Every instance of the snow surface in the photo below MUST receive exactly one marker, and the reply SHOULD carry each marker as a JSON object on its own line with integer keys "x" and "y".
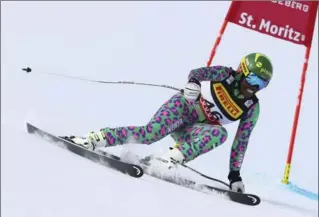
{"x": 155, "y": 42}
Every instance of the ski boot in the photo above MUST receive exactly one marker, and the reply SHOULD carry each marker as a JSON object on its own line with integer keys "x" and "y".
{"x": 91, "y": 142}
{"x": 169, "y": 160}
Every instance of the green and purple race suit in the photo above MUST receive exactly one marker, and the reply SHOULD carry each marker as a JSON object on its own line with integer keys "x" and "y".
{"x": 198, "y": 127}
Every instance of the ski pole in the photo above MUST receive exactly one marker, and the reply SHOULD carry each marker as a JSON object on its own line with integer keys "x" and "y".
{"x": 201, "y": 174}
{"x": 205, "y": 176}
{"x": 28, "y": 70}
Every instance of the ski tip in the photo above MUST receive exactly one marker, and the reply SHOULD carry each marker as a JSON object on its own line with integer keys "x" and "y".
{"x": 30, "y": 128}
{"x": 136, "y": 171}
{"x": 247, "y": 199}
{"x": 255, "y": 200}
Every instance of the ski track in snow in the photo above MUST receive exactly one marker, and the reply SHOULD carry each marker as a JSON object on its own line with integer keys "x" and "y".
{"x": 45, "y": 180}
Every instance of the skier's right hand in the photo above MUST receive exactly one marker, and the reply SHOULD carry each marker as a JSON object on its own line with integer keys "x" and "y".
{"x": 236, "y": 183}
{"x": 192, "y": 90}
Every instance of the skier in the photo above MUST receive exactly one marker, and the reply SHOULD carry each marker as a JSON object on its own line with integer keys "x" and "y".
{"x": 195, "y": 117}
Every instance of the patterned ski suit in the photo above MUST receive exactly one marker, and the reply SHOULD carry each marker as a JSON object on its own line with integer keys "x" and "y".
{"x": 197, "y": 127}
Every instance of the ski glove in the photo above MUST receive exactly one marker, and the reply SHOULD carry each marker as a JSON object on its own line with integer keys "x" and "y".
{"x": 236, "y": 183}
{"x": 192, "y": 90}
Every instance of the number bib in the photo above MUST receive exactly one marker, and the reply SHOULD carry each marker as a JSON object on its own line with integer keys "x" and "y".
{"x": 210, "y": 108}
{"x": 218, "y": 103}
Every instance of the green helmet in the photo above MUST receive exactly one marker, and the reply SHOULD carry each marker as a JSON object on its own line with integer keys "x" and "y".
{"x": 257, "y": 63}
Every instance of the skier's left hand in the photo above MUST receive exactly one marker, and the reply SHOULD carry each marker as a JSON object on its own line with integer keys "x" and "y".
{"x": 192, "y": 89}
{"x": 236, "y": 182}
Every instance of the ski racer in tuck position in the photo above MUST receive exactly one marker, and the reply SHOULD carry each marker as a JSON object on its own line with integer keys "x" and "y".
{"x": 195, "y": 117}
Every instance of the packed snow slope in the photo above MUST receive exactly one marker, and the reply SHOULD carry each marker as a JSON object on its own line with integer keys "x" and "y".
{"x": 155, "y": 42}
{"x": 40, "y": 179}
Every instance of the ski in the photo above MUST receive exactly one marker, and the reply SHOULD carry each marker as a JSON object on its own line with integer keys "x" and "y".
{"x": 108, "y": 160}
{"x": 242, "y": 198}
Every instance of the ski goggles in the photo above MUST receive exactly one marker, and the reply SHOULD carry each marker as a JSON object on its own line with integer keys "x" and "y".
{"x": 254, "y": 80}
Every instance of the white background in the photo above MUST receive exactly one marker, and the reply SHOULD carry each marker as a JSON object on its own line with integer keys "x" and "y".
{"x": 155, "y": 42}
